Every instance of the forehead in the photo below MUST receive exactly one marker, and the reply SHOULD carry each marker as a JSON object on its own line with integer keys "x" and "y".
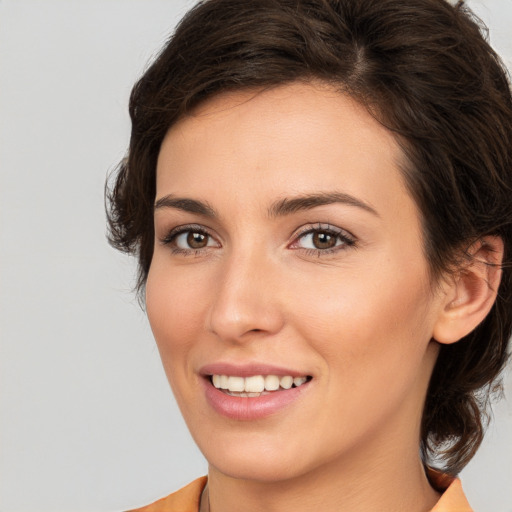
{"x": 287, "y": 139}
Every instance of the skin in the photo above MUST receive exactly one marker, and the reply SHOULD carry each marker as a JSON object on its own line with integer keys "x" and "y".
{"x": 358, "y": 319}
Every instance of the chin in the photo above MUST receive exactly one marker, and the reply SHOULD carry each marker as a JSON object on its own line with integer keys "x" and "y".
{"x": 265, "y": 470}
{"x": 251, "y": 461}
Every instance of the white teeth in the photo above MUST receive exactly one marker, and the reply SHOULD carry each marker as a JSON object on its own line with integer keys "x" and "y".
{"x": 286, "y": 382}
{"x": 298, "y": 381}
{"x": 236, "y": 384}
{"x": 256, "y": 384}
{"x": 223, "y": 382}
{"x": 271, "y": 383}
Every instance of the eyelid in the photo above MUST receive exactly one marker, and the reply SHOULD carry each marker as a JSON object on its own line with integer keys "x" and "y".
{"x": 318, "y": 226}
{"x": 348, "y": 238}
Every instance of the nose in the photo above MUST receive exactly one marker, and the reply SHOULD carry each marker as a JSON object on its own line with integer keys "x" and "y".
{"x": 246, "y": 302}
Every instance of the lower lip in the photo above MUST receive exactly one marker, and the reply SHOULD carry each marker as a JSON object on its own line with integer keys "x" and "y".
{"x": 251, "y": 408}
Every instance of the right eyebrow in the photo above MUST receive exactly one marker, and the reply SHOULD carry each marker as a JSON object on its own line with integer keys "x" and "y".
{"x": 186, "y": 205}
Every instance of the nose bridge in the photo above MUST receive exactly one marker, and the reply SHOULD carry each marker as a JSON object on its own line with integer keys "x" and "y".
{"x": 246, "y": 299}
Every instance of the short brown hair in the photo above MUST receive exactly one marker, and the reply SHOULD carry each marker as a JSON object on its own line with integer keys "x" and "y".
{"x": 424, "y": 69}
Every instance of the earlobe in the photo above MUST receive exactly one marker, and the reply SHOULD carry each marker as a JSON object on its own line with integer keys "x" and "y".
{"x": 470, "y": 293}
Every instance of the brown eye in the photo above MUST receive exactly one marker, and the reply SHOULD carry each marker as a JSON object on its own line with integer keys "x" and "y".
{"x": 323, "y": 240}
{"x": 191, "y": 240}
{"x": 197, "y": 240}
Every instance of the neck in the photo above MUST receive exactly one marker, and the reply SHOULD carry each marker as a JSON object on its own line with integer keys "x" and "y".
{"x": 375, "y": 483}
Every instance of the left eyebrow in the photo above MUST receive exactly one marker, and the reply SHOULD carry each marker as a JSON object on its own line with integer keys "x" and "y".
{"x": 288, "y": 206}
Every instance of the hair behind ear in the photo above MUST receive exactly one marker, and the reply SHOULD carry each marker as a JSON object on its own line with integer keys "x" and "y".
{"x": 467, "y": 371}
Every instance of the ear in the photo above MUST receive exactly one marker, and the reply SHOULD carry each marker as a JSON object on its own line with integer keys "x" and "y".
{"x": 471, "y": 291}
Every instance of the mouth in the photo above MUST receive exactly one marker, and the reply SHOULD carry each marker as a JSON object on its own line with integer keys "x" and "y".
{"x": 253, "y": 390}
{"x": 255, "y": 386}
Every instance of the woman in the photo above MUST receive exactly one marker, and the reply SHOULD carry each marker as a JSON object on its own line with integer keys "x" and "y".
{"x": 318, "y": 194}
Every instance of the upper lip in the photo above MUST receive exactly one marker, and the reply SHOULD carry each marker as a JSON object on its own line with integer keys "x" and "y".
{"x": 248, "y": 369}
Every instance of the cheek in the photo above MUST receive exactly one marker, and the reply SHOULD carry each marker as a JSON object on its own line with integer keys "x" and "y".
{"x": 175, "y": 305}
{"x": 373, "y": 346}
{"x": 373, "y": 324}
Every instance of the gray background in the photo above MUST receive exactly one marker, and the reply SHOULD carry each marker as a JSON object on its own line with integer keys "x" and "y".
{"x": 87, "y": 420}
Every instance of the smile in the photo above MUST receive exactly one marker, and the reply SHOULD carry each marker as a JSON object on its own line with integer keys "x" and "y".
{"x": 255, "y": 385}
{"x": 254, "y": 391}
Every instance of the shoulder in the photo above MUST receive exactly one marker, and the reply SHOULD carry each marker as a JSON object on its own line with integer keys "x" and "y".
{"x": 185, "y": 500}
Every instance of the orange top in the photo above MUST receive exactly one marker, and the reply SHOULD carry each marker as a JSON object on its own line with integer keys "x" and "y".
{"x": 184, "y": 500}
{"x": 187, "y": 499}
{"x": 452, "y": 499}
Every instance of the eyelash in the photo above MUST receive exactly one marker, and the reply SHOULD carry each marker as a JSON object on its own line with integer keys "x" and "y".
{"x": 347, "y": 240}
{"x": 170, "y": 239}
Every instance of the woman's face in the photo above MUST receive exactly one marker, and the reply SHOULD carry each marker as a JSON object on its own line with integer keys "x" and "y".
{"x": 288, "y": 246}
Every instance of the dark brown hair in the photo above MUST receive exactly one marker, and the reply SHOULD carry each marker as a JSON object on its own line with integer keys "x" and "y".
{"x": 424, "y": 69}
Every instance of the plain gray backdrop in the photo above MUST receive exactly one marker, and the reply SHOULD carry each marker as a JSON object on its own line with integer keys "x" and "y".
{"x": 88, "y": 422}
